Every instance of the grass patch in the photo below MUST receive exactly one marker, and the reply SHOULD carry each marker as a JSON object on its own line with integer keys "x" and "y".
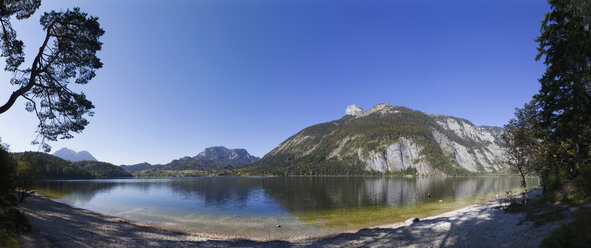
{"x": 574, "y": 234}
{"x": 49, "y": 193}
{"x": 372, "y": 216}
{"x": 544, "y": 209}
{"x": 8, "y": 239}
{"x": 11, "y": 222}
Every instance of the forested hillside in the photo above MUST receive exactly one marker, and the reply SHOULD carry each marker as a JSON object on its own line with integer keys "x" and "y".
{"x": 46, "y": 166}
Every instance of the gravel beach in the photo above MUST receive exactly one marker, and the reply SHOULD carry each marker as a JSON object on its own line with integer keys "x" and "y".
{"x": 484, "y": 225}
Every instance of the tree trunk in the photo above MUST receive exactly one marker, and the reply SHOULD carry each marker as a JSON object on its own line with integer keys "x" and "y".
{"x": 524, "y": 185}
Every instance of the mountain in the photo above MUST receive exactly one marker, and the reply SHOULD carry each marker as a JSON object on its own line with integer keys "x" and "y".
{"x": 219, "y": 156}
{"x": 73, "y": 156}
{"x": 387, "y": 139}
{"x": 47, "y": 166}
{"x": 210, "y": 160}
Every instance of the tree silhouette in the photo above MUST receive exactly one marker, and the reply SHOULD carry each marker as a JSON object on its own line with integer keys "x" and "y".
{"x": 67, "y": 55}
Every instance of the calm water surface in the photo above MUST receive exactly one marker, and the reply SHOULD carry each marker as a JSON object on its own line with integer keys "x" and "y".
{"x": 249, "y": 206}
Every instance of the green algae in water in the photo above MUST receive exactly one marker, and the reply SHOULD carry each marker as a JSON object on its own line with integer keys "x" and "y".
{"x": 360, "y": 217}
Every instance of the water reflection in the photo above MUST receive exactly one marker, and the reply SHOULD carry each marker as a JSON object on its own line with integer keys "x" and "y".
{"x": 285, "y": 193}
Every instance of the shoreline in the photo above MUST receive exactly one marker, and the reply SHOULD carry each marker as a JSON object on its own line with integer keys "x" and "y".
{"x": 483, "y": 225}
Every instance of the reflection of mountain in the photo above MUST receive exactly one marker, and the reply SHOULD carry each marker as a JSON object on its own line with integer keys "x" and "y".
{"x": 298, "y": 193}
{"x": 216, "y": 190}
{"x": 306, "y": 193}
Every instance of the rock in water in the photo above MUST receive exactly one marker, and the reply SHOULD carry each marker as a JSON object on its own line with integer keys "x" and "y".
{"x": 412, "y": 220}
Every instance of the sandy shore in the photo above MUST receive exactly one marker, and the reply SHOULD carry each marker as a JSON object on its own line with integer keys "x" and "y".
{"x": 485, "y": 225}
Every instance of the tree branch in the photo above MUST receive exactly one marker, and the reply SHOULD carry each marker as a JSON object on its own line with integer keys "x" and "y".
{"x": 34, "y": 74}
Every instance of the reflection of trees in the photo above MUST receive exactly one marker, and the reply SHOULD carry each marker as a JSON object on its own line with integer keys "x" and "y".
{"x": 299, "y": 193}
{"x": 304, "y": 193}
{"x": 82, "y": 191}
{"x": 216, "y": 190}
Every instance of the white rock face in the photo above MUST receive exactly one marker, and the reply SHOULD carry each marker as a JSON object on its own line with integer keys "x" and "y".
{"x": 354, "y": 110}
{"x": 396, "y": 157}
{"x": 382, "y": 108}
{"x": 489, "y": 155}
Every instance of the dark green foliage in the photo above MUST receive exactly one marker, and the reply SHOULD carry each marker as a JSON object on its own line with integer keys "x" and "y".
{"x": 565, "y": 95}
{"x": 574, "y": 234}
{"x": 583, "y": 181}
{"x": 67, "y": 55}
{"x": 555, "y": 178}
{"x": 47, "y": 166}
{"x": 410, "y": 171}
{"x": 554, "y": 129}
{"x": 11, "y": 220}
{"x": 51, "y": 167}
{"x": 14, "y": 220}
{"x": 526, "y": 144}
{"x": 156, "y": 172}
{"x": 136, "y": 167}
{"x": 7, "y": 172}
{"x": 372, "y": 132}
{"x": 102, "y": 169}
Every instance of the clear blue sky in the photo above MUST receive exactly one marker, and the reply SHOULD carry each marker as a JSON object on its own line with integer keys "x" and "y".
{"x": 180, "y": 76}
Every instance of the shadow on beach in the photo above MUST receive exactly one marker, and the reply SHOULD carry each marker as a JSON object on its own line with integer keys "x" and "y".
{"x": 60, "y": 225}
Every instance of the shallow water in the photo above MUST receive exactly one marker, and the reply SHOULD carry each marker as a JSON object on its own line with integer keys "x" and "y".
{"x": 253, "y": 206}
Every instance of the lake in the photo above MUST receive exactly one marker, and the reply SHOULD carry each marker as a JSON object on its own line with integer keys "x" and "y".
{"x": 252, "y": 207}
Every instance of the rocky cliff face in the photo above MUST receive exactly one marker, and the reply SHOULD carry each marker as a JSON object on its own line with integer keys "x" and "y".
{"x": 391, "y": 139}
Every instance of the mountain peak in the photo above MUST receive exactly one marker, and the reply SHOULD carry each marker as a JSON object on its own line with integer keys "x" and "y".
{"x": 73, "y": 156}
{"x": 220, "y": 153}
{"x": 382, "y": 108}
{"x": 353, "y": 110}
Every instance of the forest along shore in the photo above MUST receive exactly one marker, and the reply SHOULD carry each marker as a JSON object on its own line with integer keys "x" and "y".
{"x": 484, "y": 225}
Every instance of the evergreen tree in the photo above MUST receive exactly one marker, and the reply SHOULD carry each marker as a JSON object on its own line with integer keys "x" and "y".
{"x": 565, "y": 95}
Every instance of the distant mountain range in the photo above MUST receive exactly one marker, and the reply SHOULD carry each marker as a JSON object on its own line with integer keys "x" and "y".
{"x": 211, "y": 160}
{"x": 73, "y": 156}
{"x": 386, "y": 139}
